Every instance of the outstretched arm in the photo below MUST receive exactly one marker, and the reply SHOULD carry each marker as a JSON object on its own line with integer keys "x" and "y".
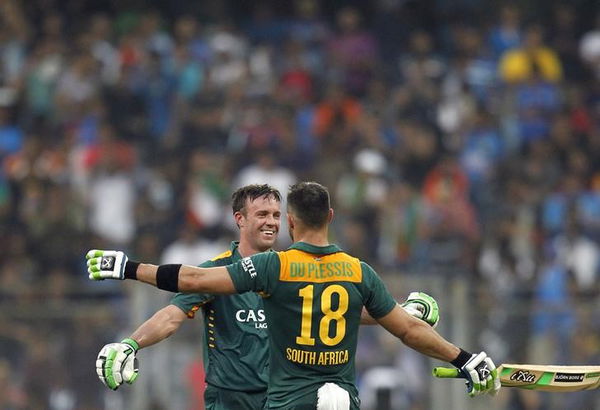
{"x": 478, "y": 369}
{"x": 175, "y": 278}
{"x": 190, "y": 279}
{"x": 418, "y": 335}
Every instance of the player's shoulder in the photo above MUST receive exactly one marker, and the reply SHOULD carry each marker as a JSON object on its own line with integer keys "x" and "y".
{"x": 224, "y": 255}
{"x": 366, "y": 268}
{"x": 222, "y": 259}
{"x": 349, "y": 257}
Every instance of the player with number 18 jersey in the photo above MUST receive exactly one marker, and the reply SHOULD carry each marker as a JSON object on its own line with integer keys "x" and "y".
{"x": 313, "y": 316}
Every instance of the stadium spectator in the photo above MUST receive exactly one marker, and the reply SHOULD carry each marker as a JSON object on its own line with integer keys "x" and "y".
{"x": 403, "y": 225}
{"x": 353, "y": 51}
{"x": 589, "y": 49}
{"x": 506, "y": 33}
{"x": 205, "y": 191}
{"x": 188, "y": 248}
{"x": 532, "y": 57}
{"x": 421, "y": 59}
{"x": 563, "y": 37}
{"x": 337, "y": 111}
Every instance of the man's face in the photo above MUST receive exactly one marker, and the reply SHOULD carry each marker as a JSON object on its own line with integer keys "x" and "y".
{"x": 259, "y": 222}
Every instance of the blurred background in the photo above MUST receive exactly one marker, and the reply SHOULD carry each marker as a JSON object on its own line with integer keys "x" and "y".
{"x": 460, "y": 140}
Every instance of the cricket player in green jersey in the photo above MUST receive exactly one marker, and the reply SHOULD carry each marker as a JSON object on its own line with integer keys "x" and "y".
{"x": 313, "y": 294}
{"x": 235, "y": 345}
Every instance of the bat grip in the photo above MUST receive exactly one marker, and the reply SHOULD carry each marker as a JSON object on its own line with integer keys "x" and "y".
{"x": 447, "y": 373}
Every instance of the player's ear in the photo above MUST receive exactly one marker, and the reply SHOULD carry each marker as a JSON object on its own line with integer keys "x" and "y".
{"x": 330, "y": 216}
{"x": 239, "y": 219}
{"x": 290, "y": 220}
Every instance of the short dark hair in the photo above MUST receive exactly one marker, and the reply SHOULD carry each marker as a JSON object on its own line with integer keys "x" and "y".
{"x": 251, "y": 192}
{"x": 309, "y": 201}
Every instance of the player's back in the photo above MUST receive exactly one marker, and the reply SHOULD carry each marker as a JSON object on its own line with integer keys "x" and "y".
{"x": 313, "y": 313}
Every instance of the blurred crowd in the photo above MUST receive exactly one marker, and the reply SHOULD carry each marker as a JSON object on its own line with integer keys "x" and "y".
{"x": 457, "y": 142}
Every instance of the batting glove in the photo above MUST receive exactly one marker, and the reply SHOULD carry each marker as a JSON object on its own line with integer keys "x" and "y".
{"x": 116, "y": 363}
{"x": 422, "y": 306}
{"x": 106, "y": 264}
{"x": 481, "y": 374}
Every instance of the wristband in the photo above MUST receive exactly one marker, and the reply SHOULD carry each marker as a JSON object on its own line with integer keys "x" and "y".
{"x": 167, "y": 277}
{"x": 462, "y": 359}
{"x": 131, "y": 343}
{"x": 131, "y": 270}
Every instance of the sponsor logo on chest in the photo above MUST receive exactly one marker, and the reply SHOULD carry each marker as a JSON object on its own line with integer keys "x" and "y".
{"x": 256, "y": 317}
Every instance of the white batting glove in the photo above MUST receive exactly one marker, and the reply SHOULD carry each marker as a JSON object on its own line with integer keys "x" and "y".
{"x": 481, "y": 374}
{"x": 106, "y": 264}
{"x": 116, "y": 363}
{"x": 422, "y": 306}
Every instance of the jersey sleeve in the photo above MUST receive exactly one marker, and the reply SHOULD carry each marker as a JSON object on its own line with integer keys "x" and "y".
{"x": 256, "y": 273}
{"x": 189, "y": 303}
{"x": 376, "y": 297}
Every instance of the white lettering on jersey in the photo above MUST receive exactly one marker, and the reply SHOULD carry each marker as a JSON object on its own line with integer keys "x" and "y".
{"x": 250, "y": 315}
{"x": 257, "y": 317}
{"x": 248, "y": 267}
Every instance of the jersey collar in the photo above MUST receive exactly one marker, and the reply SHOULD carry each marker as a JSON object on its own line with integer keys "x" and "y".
{"x": 235, "y": 254}
{"x": 318, "y": 250}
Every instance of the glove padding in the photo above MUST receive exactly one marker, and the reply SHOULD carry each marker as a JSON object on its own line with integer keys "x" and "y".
{"x": 422, "y": 306}
{"x": 116, "y": 363}
{"x": 106, "y": 264}
{"x": 481, "y": 374}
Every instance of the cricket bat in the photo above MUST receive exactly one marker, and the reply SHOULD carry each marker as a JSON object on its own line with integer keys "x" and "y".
{"x": 539, "y": 377}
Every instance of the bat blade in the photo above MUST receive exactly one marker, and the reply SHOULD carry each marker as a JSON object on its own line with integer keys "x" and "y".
{"x": 540, "y": 377}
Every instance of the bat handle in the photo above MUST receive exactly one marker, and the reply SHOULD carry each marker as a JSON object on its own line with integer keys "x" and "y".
{"x": 446, "y": 372}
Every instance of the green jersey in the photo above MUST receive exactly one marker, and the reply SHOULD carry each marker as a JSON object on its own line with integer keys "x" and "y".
{"x": 235, "y": 333}
{"x": 313, "y": 297}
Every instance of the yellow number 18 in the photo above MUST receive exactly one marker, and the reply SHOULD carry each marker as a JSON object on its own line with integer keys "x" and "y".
{"x": 337, "y": 315}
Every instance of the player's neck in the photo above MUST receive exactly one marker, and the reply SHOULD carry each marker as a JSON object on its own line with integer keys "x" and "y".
{"x": 313, "y": 237}
{"x": 246, "y": 249}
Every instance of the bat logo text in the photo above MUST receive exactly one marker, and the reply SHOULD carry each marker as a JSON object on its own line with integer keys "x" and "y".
{"x": 568, "y": 378}
{"x": 522, "y": 376}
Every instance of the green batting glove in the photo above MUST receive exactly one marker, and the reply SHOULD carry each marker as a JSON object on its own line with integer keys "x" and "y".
{"x": 116, "y": 363}
{"x": 422, "y": 306}
{"x": 106, "y": 264}
{"x": 481, "y": 374}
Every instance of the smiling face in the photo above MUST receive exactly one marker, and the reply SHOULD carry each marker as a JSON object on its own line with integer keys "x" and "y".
{"x": 259, "y": 222}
